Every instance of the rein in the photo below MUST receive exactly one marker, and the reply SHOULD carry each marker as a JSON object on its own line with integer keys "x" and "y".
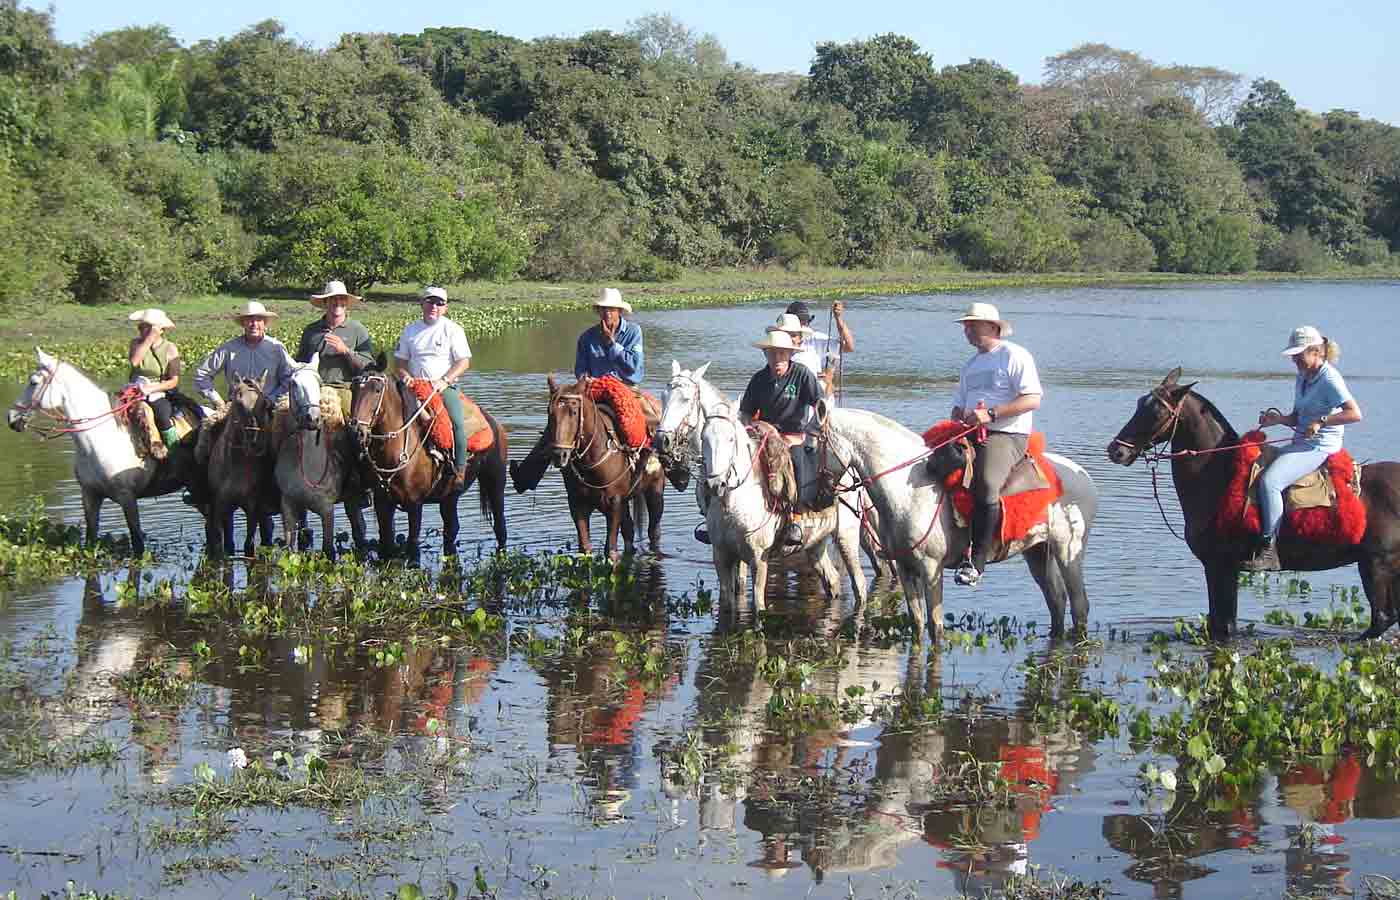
{"x": 575, "y": 402}
{"x": 366, "y": 428}
{"x": 65, "y": 424}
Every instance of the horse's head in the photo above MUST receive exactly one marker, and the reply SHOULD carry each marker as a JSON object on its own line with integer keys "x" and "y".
{"x": 367, "y": 393}
{"x": 250, "y": 413}
{"x": 681, "y": 411}
{"x": 304, "y": 394}
{"x": 571, "y": 412}
{"x": 719, "y": 452}
{"x": 44, "y": 390}
{"x": 1153, "y": 422}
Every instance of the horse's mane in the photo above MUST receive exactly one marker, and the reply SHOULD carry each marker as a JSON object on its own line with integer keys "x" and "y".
{"x": 1210, "y": 410}
{"x": 332, "y": 415}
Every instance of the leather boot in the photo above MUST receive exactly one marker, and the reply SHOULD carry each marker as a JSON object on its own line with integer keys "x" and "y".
{"x": 986, "y": 535}
{"x": 1265, "y": 559}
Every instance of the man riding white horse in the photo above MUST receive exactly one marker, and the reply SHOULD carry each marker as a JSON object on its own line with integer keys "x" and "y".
{"x": 612, "y": 347}
{"x": 998, "y": 389}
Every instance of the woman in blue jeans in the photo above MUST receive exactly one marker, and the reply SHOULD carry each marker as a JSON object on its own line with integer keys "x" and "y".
{"x": 1322, "y": 406}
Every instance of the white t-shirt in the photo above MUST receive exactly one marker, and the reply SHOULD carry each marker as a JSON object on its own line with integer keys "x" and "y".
{"x": 996, "y": 377}
{"x": 428, "y": 351}
{"x": 817, "y": 352}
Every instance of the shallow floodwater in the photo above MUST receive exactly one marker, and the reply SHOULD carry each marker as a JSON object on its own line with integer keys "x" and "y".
{"x": 565, "y": 790}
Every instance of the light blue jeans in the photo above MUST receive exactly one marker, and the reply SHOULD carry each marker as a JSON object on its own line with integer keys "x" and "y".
{"x": 1291, "y": 464}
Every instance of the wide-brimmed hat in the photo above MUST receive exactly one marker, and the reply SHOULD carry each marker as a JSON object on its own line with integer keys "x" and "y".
{"x": 433, "y": 293}
{"x": 1302, "y": 338}
{"x": 985, "y": 312}
{"x": 611, "y": 298}
{"x": 791, "y": 324}
{"x": 774, "y": 339}
{"x": 253, "y": 309}
{"x": 333, "y": 289}
{"x": 152, "y": 316}
{"x": 800, "y": 309}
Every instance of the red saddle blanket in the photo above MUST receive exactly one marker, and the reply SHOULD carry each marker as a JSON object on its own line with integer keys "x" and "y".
{"x": 1019, "y": 512}
{"x": 479, "y": 435}
{"x": 1341, "y": 524}
{"x": 627, "y": 408}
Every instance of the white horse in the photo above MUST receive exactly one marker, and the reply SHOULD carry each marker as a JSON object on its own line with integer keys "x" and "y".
{"x": 106, "y": 463}
{"x": 744, "y": 531}
{"x": 316, "y": 461}
{"x": 918, "y": 530}
{"x": 688, "y": 400}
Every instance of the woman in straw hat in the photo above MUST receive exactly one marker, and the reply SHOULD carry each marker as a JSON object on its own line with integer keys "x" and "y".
{"x": 155, "y": 370}
{"x": 344, "y": 343}
{"x": 1322, "y": 407}
{"x": 998, "y": 389}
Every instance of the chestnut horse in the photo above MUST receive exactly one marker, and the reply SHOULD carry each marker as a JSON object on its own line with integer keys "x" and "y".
{"x": 598, "y": 475}
{"x": 1175, "y": 414}
{"x": 405, "y": 475}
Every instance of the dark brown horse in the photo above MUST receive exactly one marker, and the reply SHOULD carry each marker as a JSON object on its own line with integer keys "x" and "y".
{"x": 598, "y": 472}
{"x": 1174, "y": 414}
{"x": 239, "y": 467}
{"x": 405, "y": 475}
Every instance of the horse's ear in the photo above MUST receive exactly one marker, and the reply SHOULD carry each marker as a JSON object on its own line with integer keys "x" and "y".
{"x": 553, "y": 385}
{"x": 1182, "y": 390}
{"x": 261, "y": 380}
{"x": 700, "y": 372}
{"x": 675, "y": 368}
{"x": 45, "y": 361}
{"x": 381, "y": 362}
{"x": 1172, "y": 376}
{"x": 823, "y": 409}
{"x": 314, "y": 363}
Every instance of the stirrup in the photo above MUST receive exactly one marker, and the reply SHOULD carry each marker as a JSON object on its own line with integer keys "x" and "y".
{"x": 702, "y": 534}
{"x": 967, "y": 575}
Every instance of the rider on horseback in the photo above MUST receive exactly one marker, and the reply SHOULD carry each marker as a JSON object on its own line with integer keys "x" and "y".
{"x": 344, "y": 343}
{"x": 435, "y": 348}
{"x": 998, "y": 389}
{"x": 612, "y": 347}
{"x": 155, "y": 370}
{"x": 784, "y": 395}
{"x": 815, "y": 350}
{"x": 1322, "y": 406}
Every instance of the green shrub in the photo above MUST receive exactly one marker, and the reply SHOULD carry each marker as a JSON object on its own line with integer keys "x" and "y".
{"x": 1368, "y": 251}
{"x": 1297, "y": 251}
{"x": 652, "y": 268}
{"x": 1108, "y": 244}
{"x": 1012, "y": 238}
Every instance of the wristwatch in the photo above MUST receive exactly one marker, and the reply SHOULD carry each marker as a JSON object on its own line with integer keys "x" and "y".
{"x": 992, "y": 412}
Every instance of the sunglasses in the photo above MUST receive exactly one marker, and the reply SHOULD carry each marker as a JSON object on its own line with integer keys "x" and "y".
{"x": 437, "y": 301}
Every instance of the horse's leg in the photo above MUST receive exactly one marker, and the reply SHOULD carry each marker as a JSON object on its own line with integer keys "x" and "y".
{"x": 913, "y": 594}
{"x": 415, "y": 525}
{"x": 848, "y": 548}
{"x": 214, "y": 524}
{"x": 133, "y": 526}
{"x": 1046, "y": 573}
{"x": 356, "y": 514}
{"x": 760, "y": 583}
{"x": 819, "y": 555}
{"x": 1223, "y": 589}
{"x": 92, "y": 509}
{"x": 580, "y": 512}
{"x": 1378, "y": 580}
{"x": 451, "y": 524}
{"x": 620, "y": 522}
{"x": 252, "y": 517}
{"x": 656, "y": 504}
{"x": 384, "y": 516}
{"x": 327, "y": 530}
{"x": 291, "y": 518}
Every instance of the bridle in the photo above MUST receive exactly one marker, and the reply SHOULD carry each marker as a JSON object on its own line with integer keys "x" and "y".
{"x": 694, "y": 414}
{"x": 364, "y": 429}
{"x": 250, "y": 436}
{"x": 1164, "y": 433}
{"x": 572, "y": 453}
{"x": 63, "y": 424}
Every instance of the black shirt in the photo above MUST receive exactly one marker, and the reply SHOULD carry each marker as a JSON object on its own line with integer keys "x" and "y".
{"x": 781, "y": 402}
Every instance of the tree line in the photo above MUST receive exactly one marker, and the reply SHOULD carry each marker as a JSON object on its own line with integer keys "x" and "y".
{"x": 132, "y": 166}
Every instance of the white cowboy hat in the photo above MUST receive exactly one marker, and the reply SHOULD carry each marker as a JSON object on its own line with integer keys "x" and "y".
{"x": 253, "y": 310}
{"x": 791, "y": 324}
{"x": 333, "y": 289}
{"x": 152, "y": 316}
{"x": 1301, "y": 339}
{"x": 774, "y": 339}
{"x": 611, "y": 298}
{"x": 434, "y": 292}
{"x": 985, "y": 312}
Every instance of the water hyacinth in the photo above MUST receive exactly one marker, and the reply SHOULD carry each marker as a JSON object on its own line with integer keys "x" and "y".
{"x": 237, "y": 758}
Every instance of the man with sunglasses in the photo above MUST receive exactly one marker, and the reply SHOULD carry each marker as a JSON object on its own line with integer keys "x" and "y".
{"x": 435, "y": 348}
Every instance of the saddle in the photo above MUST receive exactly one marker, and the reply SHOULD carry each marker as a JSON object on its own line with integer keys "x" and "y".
{"x": 1026, "y": 495}
{"x": 1323, "y": 506}
{"x": 474, "y": 423}
{"x": 631, "y": 410}
{"x": 140, "y": 421}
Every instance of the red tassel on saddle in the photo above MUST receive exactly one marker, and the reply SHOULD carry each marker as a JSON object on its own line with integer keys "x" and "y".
{"x": 441, "y": 432}
{"x": 631, "y": 422}
{"x": 1019, "y": 512}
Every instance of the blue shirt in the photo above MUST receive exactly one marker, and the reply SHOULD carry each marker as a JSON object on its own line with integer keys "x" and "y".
{"x": 1315, "y": 397}
{"x": 623, "y": 357}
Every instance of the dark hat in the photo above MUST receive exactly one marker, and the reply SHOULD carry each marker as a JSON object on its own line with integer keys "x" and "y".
{"x": 800, "y": 309}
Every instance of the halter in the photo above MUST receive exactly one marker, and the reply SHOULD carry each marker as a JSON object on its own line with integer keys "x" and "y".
{"x": 365, "y": 429}
{"x": 251, "y": 437}
{"x": 1166, "y": 432}
{"x": 65, "y": 424}
{"x": 695, "y": 414}
{"x": 574, "y": 402}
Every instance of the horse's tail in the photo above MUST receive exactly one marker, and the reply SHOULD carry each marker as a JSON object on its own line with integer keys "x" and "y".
{"x": 500, "y": 454}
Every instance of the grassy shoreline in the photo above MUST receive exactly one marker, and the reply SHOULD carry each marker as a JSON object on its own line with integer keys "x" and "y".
{"x": 94, "y": 337}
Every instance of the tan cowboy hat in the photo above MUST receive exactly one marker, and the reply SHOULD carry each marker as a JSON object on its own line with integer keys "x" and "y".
{"x": 253, "y": 309}
{"x": 333, "y": 289}
{"x": 152, "y": 316}
{"x": 792, "y": 325}
{"x": 985, "y": 312}
{"x": 774, "y": 339}
{"x": 611, "y": 298}
{"x": 1302, "y": 338}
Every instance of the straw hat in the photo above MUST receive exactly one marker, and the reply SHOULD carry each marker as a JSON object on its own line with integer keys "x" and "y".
{"x": 152, "y": 316}
{"x": 1301, "y": 339}
{"x": 985, "y": 312}
{"x": 253, "y": 310}
{"x": 611, "y": 298}
{"x": 790, "y": 323}
{"x": 333, "y": 289}
{"x": 775, "y": 340}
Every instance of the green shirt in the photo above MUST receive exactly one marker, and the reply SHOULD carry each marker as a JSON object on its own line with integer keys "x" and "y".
{"x": 155, "y": 365}
{"x": 335, "y": 367}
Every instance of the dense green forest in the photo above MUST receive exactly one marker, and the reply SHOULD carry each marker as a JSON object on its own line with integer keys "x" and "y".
{"x": 134, "y": 167}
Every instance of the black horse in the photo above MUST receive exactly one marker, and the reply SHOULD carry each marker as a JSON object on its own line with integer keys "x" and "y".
{"x": 1175, "y": 414}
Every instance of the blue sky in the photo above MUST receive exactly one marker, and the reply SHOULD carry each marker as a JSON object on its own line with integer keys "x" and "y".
{"x": 1327, "y": 55}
